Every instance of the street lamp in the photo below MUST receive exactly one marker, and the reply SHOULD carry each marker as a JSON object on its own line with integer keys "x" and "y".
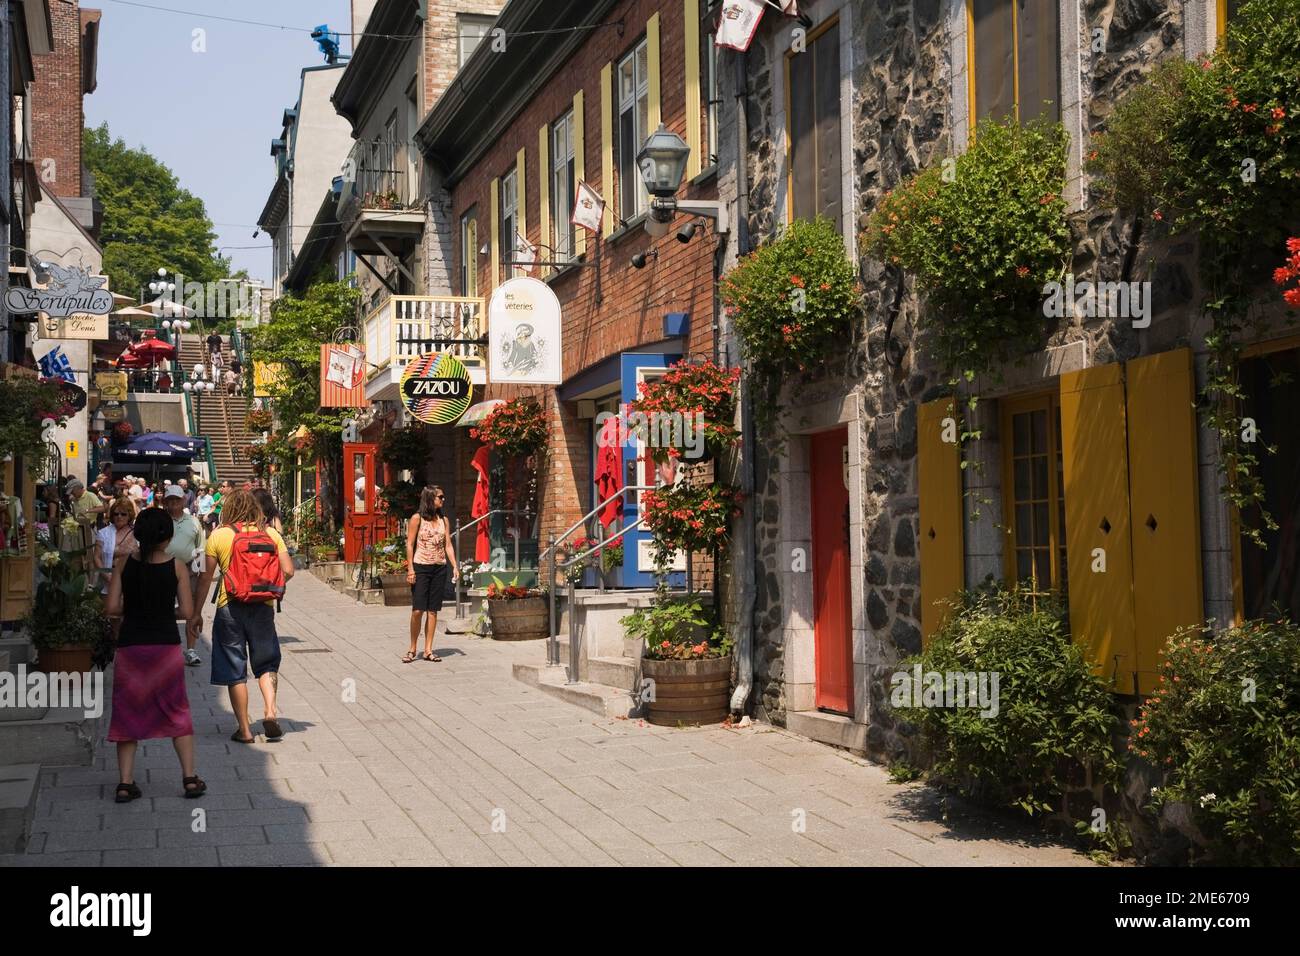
{"x": 662, "y": 162}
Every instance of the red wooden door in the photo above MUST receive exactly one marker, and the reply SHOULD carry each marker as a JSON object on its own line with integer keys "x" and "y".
{"x": 832, "y": 614}
{"x": 362, "y": 524}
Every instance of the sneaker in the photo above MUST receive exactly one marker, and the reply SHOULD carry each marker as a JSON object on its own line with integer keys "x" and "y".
{"x": 192, "y": 657}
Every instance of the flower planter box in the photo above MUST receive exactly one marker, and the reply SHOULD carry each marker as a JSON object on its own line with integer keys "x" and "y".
{"x": 397, "y": 593}
{"x": 688, "y": 692}
{"x": 73, "y": 659}
{"x": 519, "y": 619}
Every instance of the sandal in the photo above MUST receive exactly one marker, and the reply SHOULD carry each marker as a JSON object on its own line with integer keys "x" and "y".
{"x": 200, "y": 788}
{"x": 430, "y": 656}
{"x": 410, "y": 656}
{"x": 240, "y": 740}
{"x": 271, "y": 727}
{"x": 126, "y": 792}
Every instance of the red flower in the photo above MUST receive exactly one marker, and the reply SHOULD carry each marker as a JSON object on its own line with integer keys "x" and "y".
{"x": 1250, "y": 108}
{"x": 1279, "y": 113}
{"x": 1292, "y": 297}
{"x": 1022, "y": 271}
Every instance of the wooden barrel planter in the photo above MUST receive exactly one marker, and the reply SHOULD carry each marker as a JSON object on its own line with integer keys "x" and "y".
{"x": 70, "y": 659}
{"x": 688, "y": 692}
{"x": 519, "y": 619}
{"x": 397, "y": 593}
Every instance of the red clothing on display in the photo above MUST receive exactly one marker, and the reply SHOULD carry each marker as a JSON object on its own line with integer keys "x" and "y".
{"x": 482, "y": 546}
{"x": 609, "y": 472}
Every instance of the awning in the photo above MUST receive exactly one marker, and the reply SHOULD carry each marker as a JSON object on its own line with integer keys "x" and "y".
{"x": 476, "y": 413}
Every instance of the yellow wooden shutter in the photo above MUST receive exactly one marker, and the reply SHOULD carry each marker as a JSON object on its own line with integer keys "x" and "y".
{"x": 653, "y": 110}
{"x": 607, "y": 147}
{"x": 494, "y": 271}
{"x": 579, "y": 170}
{"x": 18, "y": 572}
{"x": 545, "y": 241}
{"x": 1094, "y": 454}
{"x": 938, "y": 473}
{"x": 694, "y": 136}
{"x": 1165, "y": 504}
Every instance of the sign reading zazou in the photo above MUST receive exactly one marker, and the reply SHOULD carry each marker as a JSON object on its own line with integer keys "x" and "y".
{"x": 524, "y": 334}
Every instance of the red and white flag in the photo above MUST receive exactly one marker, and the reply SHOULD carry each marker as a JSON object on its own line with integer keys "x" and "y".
{"x": 588, "y": 208}
{"x": 737, "y": 23}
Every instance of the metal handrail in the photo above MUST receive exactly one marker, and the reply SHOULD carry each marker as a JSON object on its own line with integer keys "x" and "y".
{"x": 460, "y": 611}
{"x": 592, "y": 513}
{"x": 296, "y": 515}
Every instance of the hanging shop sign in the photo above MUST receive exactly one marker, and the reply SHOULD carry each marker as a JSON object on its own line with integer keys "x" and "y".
{"x": 524, "y": 334}
{"x": 74, "y": 396}
{"x": 111, "y": 385}
{"x": 266, "y": 375}
{"x": 113, "y": 412}
{"x": 80, "y": 325}
{"x": 71, "y": 289}
{"x": 342, "y": 372}
{"x": 436, "y": 388}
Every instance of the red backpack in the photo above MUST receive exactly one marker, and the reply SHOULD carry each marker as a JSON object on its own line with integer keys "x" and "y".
{"x": 254, "y": 573}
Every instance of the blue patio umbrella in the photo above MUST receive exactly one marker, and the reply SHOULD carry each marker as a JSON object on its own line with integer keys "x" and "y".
{"x": 152, "y": 448}
{"x": 195, "y": 446}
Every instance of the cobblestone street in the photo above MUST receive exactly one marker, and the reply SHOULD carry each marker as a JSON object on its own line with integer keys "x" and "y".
{"x": 458, "y": 763}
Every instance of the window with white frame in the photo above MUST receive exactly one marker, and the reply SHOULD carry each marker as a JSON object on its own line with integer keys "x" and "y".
{"x": 469, "y": 254}
{"x": 470, "y": 32}
{"x": 509, "y": 217}
{"x": 562, "y": 185}
{"x": 633, "y": 108}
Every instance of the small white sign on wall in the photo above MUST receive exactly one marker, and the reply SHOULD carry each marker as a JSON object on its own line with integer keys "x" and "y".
{"x": 645, "y": 558}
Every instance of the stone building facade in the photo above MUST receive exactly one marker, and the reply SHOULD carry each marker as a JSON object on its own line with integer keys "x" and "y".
{"x": 905, "y": 105}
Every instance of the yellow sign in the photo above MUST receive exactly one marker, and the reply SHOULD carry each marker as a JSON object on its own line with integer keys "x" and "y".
{"x": 72, "y": 449}
{"x": 266, "y": 375}
{"x": 111, "y": 385}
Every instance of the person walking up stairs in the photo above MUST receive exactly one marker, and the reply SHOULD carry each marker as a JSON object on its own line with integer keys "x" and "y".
{"x": 221, "y": 417}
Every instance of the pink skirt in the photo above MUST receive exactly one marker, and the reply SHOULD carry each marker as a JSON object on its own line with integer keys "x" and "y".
{"x": 149, "y": 699}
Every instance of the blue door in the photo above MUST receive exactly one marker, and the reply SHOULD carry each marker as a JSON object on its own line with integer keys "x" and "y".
{"x": 639, "y": 469}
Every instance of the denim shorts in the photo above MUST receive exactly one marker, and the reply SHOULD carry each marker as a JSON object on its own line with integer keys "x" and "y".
{"x": 244, "y": 633}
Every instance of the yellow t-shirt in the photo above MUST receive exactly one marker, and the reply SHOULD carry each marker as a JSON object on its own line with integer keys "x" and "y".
{"x": 220, "y": 544}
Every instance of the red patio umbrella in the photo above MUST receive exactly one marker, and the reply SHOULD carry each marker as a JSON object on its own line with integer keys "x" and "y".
{"x": 146, "y": 353}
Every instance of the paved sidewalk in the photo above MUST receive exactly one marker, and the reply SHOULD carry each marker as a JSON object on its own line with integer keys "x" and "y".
{"x": 458, "y": 763}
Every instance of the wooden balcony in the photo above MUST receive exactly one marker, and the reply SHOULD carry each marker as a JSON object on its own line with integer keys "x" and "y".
{"x": 389, "y": 328}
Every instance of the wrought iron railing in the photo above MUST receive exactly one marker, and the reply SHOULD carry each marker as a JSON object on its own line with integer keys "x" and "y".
{"x": 377, "y": 176}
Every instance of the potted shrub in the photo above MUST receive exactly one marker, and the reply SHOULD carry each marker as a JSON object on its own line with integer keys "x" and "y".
{"x": 687, "y": 664}
{"x": 517, "y": 613}
{"x": 67, "y": 623}
{"x": 325, "y": 552}
{"x": 390, "y": 566}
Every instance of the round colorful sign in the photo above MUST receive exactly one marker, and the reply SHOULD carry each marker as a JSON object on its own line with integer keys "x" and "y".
{"x": 436, "y": 388}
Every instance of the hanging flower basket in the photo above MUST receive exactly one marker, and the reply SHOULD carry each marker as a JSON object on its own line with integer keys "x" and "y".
{"x": 685, "y": 518}
{"x": 690, "y": 412}
{"x": 518, "y": 428}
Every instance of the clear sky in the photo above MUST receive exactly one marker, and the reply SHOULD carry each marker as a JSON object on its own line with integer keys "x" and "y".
{"x": 210, "y": 116}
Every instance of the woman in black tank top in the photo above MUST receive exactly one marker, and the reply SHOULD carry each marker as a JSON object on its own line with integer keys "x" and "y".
{"x": 149, "y": 699}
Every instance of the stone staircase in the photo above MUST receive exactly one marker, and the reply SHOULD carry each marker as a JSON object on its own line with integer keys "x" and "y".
{"x": 219, "y": 417}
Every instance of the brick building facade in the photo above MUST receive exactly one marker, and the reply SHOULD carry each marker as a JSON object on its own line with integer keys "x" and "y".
{"x": 66, "y": 74}
{"x": 611, "y": 309}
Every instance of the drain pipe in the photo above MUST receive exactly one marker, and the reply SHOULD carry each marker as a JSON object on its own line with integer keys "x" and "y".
{"x": 747, "y": 534}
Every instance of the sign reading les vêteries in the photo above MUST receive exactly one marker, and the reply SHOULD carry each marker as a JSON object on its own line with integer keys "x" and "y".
{"x": 524, "y": 334}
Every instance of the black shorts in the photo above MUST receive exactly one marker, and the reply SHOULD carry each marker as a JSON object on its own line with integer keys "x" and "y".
{"x": 429, "y": 587}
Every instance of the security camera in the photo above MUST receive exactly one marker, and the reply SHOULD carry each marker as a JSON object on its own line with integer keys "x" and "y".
{"x": 639, "y": 260}
{"x": 687, "y": 232}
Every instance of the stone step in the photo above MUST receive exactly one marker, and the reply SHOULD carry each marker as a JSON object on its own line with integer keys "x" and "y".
{"x": 63, "y": 737}
{"x": 19, "y": 649}
{"x": 19, "y": 784}
{"x": 597, "y": 698}
{"x": 365, "y": 595}
{"x": 621, "y": 672}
